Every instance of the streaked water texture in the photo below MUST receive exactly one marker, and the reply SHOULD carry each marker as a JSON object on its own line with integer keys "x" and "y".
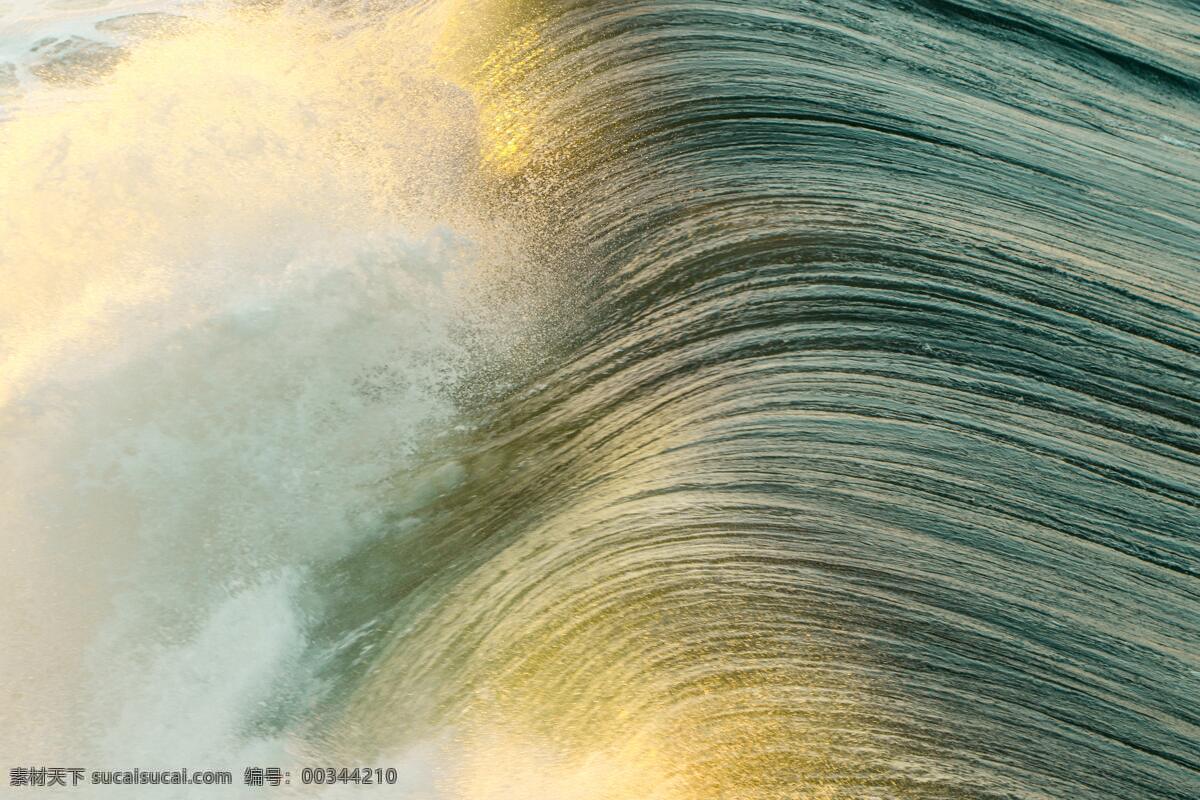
{"x": 816, "y": 414}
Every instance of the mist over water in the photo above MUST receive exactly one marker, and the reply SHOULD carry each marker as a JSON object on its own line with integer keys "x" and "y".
{"x": 604, "y": 400}
{"x": 237, "y": 294}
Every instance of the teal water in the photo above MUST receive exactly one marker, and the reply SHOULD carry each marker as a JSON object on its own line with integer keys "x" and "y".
{"x": 871, "y": 467}
{"x": 832, "y": 429}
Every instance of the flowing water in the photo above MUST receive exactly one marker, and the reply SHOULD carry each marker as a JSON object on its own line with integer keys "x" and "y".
{"x": 590, "y": 400}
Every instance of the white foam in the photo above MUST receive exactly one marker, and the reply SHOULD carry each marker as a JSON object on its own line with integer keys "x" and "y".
{"x": 232, "y": 281}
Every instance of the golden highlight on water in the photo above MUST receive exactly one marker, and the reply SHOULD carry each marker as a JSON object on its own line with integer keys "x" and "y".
{"x": 565, "y": 400}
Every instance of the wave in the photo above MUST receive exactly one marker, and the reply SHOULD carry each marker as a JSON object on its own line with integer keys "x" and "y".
{"x": 848, "y": 446}
{"x": 871, "y": 471}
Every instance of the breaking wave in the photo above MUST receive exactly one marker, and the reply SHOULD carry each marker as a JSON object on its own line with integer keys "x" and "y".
{"x": 582, "y": 400}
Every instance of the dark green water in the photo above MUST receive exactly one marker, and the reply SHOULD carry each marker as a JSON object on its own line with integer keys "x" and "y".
{"x": 869, "y": 465}
{"x": 820, "y": 417}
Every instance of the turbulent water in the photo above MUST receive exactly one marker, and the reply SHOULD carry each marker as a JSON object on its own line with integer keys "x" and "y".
{"x": 680, "y": 399}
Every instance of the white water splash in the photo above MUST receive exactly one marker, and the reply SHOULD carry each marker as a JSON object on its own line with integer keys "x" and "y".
{"x": 233, "y": 273}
